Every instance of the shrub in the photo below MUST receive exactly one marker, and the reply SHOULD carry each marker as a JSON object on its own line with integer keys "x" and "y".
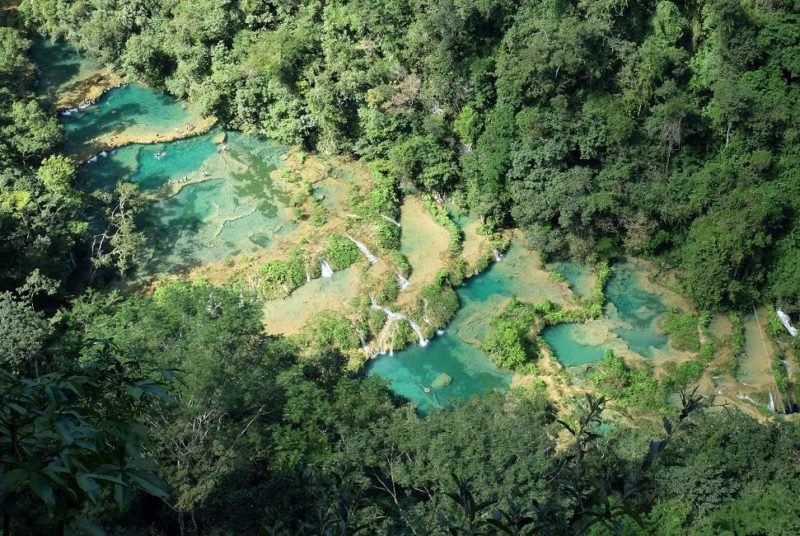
{"x": 388, "y": 235}
{"x": 401, "y": 263}
{"x": 389, "y": 291}
{"x": 682, "y": 326}
{"x": 438, "y": 304}
{"x": 341, "y": 252}
{"x": 280, "y": 277}
{"x": 441, "y": 216}
{"x": 329, "y": 330}
{"x": 508, "y": 340}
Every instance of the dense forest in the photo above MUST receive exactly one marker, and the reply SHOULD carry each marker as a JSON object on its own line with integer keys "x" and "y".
{"x": 667, "y": 130}
{"x": 657, "y": 128}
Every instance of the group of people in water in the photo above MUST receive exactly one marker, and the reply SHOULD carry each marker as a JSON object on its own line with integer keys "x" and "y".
{"x": 185, "y": 178}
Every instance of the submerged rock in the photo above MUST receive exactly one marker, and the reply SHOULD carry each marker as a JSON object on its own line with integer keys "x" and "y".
{"x": 442, "y": 380}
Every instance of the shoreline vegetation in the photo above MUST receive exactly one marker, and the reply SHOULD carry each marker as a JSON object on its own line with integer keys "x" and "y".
{"x": 556, "y": 227}
{"x": 547, "y": 368}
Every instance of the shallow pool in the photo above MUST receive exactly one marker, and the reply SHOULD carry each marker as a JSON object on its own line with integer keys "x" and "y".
{"x": 413, "y": 372}
{"x": 636, "y": 310}
{"x": 213, "y": 200}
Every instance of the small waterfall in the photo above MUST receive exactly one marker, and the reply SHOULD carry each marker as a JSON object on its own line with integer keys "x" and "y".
{"x": 787, "y": 323}
{"x": 425, "y": 317}
{"x": 363, "y": 249}
{"x": 403, "y": 281}
{"x": 392, "y": 316}
{"x": 420, "y": 336}
{"x": 327, "y": 271}
{"x": 308, "y": 275}
{"x": 745, "y": 397}
{"x": 771, "y": 405}
{"x": 364, "y": 346}
{"x": 497, "y": 256}
{"x": 387, "y": 218}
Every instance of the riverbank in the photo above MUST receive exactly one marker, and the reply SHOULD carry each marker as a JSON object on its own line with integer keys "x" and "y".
{"x": 327, "y": 239}
{"x": 101, "y": 145}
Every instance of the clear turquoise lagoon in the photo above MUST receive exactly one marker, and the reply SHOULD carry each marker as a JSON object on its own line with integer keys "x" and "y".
{"x": 210, "y": 202}
{"x": 61, "y": 66}
{"x": 455, "y": 353}
{"x": 566, "y": 343}
{"x": 579, "y": 278}
{"x": 637, "y": 311}
{"x": 130, "y": 111}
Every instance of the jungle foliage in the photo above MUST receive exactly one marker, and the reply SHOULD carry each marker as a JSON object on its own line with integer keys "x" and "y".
{"x": 662, "y": 128}
{"x": 658, "y": 128}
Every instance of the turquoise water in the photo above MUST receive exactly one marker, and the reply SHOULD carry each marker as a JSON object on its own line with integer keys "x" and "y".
{"x": 413, "y": 369}
{"x": 60, "y": 66}
{"x": 566, "y": 342}
{"x": 132, "y": 110}
{"x": 637, "y": 310}
{"x": 579, "y": 278}
{"x": 150, "y": 166}
{"x": 229, "y": 205}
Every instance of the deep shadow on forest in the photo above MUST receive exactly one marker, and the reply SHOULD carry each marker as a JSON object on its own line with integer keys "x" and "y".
{"x": 666, "y": 130}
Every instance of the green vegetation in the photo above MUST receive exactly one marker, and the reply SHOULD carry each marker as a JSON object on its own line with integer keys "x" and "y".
{"x": 341, "y": 252}
{"x": 656, "y": 128}
{"x": 280, "y": 277}
{"x": 443, "y": 218}
{"x": 509, "y": 341}
{"x": 632, "y": 387}
{"x": 737, "y": 342}
{"x": 683, "y": 327}
{"x": 438, "y": 304}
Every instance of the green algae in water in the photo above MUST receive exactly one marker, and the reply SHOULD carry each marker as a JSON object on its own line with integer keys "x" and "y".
{"x": 566, "y": 342}
{"x": 637, "y": 309}
{"x": 61, "y": 66}
{"x": 132, "y": 110}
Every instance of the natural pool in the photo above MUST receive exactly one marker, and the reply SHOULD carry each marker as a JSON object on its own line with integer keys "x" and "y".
{"x": 214, "y": 199}
{"x": 636, "y": 310}
{"x": 630, "y": 322}
{"x": 61, "y": 67}
{"x": 455, "y": 353}
{"x": 579, "y": 278}
{"x": 573, "y": 344}
{"x": 131, "y": 112}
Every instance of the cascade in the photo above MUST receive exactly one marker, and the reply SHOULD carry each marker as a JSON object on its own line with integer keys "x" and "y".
{"x": 308, "y": 275}
{"x": 425, "y": 317}
{"x": 327, "y": 271}
{"x": 771, "y": 405}
{"x": 387, "y": 218}
{"x": 421, "y": 336}
{"x": 403, "y": 281}
{"x": 745, "y": 397}
{"x": 787, "y": 323}
{"x": 497, "y": 256}
{"x": 392, "y": 316}
{"x": 364, "y": 346}
{"x": 363, "y": 249}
